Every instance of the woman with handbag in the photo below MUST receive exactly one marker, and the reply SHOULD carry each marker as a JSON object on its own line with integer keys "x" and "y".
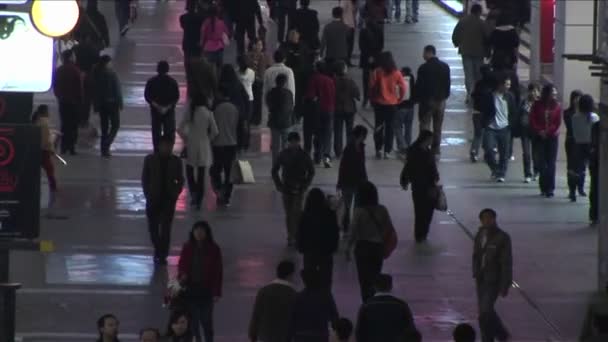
{"x": 200, "y": 270}
{"x": 420, "y": 170}
{"x": 214, "y": 38}
{"x": 197, "y": 129}
{"x": 372, "y": 234}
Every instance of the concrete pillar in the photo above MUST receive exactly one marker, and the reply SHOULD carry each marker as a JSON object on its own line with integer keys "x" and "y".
{"x": 573, "y": 35}
{"x": 535, "y": 65}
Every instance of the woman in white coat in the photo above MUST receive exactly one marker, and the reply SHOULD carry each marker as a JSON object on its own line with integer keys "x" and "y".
{"x": 197, "y": 129}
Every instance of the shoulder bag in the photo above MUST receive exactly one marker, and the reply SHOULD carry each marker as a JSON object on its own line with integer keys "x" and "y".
{"x": 389, "y": 237}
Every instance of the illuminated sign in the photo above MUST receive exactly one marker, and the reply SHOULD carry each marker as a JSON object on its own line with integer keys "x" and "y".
{"x": 12, "y": 2}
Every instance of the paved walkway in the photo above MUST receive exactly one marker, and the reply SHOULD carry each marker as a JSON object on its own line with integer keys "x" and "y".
{"x": 102, "y": 262}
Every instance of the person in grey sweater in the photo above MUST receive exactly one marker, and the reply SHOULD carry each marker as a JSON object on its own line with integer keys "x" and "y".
{"x": 274, "y": 306}
{"x": 226, "y": 116}
{"x": 334, "y": 40}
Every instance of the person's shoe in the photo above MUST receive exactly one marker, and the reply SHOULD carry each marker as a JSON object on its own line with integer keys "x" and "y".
{"x": 550, "y": 195}
{"x": 73, "y": 152}
{"x": 535, "y": 178}
{"x": 527, "y": 180}
{"x": 473, "y": 158}
{"x": 227, "y": 203}
{"x": 327, "y": 162}
{"x": 500, "y": 180}
{"x": 106, "y": 154}
{"x": 512, "y": 158}
{"x": 572, "y": 197}
{"x": 493, "y": 177}
{"x": 415, "y": 20}
{"x": 582, "y": 193}
{"x": 124, "y": 30}
{"x": 387, "y": 155}
{"x": 378, "y": 154}
{"x": 407, "y": 21}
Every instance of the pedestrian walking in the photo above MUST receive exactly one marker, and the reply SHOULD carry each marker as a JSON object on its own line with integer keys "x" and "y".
{"x": 347, "y": 95}
{"x": 162, "y": 181}
{"x": 387, "y": 90}
{"x": 498, "y": 112}
{"x": 493, "y": 273}
{"x": 470, "y": 36}
{"x": 334, "y": 39}
{"x": 521, "y": 126}
{"x": 481, "y": 90}
{"x": 545, "y": 120}
{"x": 280, "y": 115}
{"x": 246, "y": 14}
{"x": 107, "y": 327}
{"x": 404, "y": 117}
{"x": 411, "y": 11}
{"x": 258, "y": 62}
{"x": 247, "y": 77}
{"x": 314, "y": 311}
{"x": 582, "y": 123}
{"x": 306, "y": 22}
{"x": 214, "y": 38}
{"x": 40, "y": 118}
{"x": 371, "y": 221}
{"x": 321, "y": 94}
{"x": 224, "y": 147}
{"x": 124, "y": 10}
{"x": 202, "y": 79}
{"x": 318, "y": 235}
{"x": 162, "y": 94}
{"x": 297, "y": 172}
{"x": 371, "y": 43}
{"x": 238, "y": 96}
{"x": 191, "y": 23}
{"x": 197, "y": 129}
{"x": 68, "y": 89}
{"x": 350, "y": 10}
{"x": 432, "y": 90}
{"x": 279, "y": 67}
{"x": 200, "y": 270}
{"x": 504, "y": 43}
{"x": 283, "y": 13}
{"x": 87, "y": 57}
{"x": 352, "y": 173}
{"x": 271, "y": 318}
{"x": 569, "y": 144}
{"x": 108, "y": 102}
{"x": 384, "y": 317}
{"x": 420, "y": 170}
{"x": 300, "y": 59}
{"x": 179, "y": 328}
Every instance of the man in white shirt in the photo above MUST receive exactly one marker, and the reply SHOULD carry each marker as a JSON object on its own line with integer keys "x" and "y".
{"x": 279, "y": 67}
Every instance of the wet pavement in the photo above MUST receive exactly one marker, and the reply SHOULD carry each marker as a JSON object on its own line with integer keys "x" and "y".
{"x": 102, "y": 260}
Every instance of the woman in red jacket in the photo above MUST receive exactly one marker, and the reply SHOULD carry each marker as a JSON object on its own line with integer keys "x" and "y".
{"x": 545, "y": 119}
{"x": 200, "y": 270}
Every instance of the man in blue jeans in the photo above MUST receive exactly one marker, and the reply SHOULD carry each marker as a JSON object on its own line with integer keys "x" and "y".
{"x": 498, "y": 106}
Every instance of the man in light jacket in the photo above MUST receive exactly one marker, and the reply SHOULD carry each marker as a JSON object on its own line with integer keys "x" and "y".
{"x": 469, "y": 37}
{"x": 493, "y": 273}
{"x": 273, "y": 308}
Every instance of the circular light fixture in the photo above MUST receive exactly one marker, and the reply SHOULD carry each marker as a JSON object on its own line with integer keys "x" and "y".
{"x": 55, "y": 18}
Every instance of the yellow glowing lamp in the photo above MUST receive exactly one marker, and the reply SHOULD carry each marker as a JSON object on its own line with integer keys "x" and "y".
{"x": 55, "y": 18}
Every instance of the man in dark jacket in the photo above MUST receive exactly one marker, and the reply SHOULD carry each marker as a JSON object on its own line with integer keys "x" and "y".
{"x": 273, "y": 308}
{"x": 162, "y": 94}
{"x": 347, "y": 93}
{"x": 482, "y": 88}
{"x": 306, "y": 22}
{"x": 162, "y": 181}
{"x": 432, "y": 90}
{"x": 498, "y": 109}
{"x": 280, "y": 114}
{"x": 247, "y": 12}
{"x": 67, "y": 86}
{"x": 283, "y": 9}
{"x": 191, "y": 23}
{"x": 384, "y": 317}
{"x": 493, "y": 273}
{"x": 108, "y": 102}
{"x": 352, "y": 172}
{"x": 334, "y": 41}
{"x": 371, "y": 43}
{"x": 297, "y": 172}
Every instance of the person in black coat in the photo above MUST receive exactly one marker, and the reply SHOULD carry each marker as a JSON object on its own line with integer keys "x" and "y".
{"x": 191, "y": 23}
{"x": 162, "y": 94}
{"x": 318, "y": 234}
{"x": 384, "y": 317}
{"x": 238, "y": 96}
{"x": 245, "y": 16}
{"x": 306, "y": 22}
{"x": 300, "y": 59}
{"x": 504, "y": 43}
{"x": 482, "y": 87}
{"x": 371, "y": 43}
{"x": 420, "y": 170}
{"x": 352, "y": 171}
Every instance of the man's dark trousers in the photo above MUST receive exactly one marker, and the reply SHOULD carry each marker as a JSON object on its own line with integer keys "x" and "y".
{"x": 162, "y": 125}
{"x": 160, "y": 217}
{"x": 70, "y": 118}
{"x": 490, "y": 324}
{"x": 242, "y": 27}
{"x": 109, "y": 117}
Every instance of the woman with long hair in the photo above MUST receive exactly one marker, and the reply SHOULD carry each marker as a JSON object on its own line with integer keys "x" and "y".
{"x": 178, "y": 329}
{"x": 197, "y": 129}
{"x": 214, "y": 38}
{"x": 569, "y": 144}
{"x": 318, "y": 235}
{"x": 200, "y": 270}
{"x": 420, "y": 170}
{"x": 371, "y": 221}
{"x": 582, "y": 123}
{"x": 545, "y": 120}
{"x": 387, "y": 89}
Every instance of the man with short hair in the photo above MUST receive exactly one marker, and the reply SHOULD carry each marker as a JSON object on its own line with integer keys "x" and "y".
{"x": 149, "y": 335}
{"x": 469, "y": 36}
{"x": 107, "y": 327}
{"x": 464, "y": 333}
{"x": 69, "y": 91}
{"x": 297, "y": 172}
{"x": 162, "y": 181}
{"x": 493, "y": 274}
{"x": 273, "y": 308}
{"x": 280, "y": 115}
{"x": 162, "y": 94}
{"x": 108, "y": 101}
{"x": 432, "y": 90}
{"x": 306, "y": 22}
{"x": 334, "y": 41}
{"x": 279, "y": 67}
{"x": 384, "y": 317}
